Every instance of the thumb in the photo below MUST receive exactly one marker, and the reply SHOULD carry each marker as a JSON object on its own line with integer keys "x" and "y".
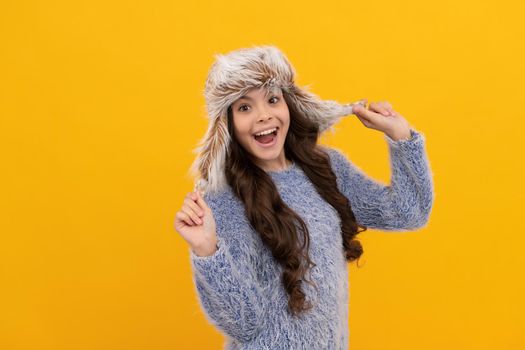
{"x": 359, "y": 108}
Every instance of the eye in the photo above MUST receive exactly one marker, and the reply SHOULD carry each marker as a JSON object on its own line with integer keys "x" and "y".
{"x": 277, "y": 98}
{"x": 241, "y": 108}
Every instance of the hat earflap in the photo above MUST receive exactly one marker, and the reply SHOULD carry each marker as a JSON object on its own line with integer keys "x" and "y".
{"x": 208, "y": 166}
{"x": 325, "y": 113}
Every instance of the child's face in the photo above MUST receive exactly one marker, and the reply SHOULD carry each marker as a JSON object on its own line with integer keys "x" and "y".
{"x": 255, "y": 113}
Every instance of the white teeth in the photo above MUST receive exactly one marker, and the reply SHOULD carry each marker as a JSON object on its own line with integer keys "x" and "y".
{"x": 266, "y": 132}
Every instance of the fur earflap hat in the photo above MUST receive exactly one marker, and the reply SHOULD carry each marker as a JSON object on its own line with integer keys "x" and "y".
{"x": 231, "y": 76}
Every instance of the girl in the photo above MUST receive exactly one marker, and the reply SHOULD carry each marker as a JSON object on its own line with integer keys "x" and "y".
{"x": 274, "y": 216}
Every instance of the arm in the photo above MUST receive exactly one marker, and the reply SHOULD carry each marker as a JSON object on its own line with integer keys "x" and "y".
{"x": 406, "y": 203}
{"x": 226, "y": 281}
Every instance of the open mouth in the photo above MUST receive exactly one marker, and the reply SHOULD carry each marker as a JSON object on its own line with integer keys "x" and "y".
{"x": 268, "y": 139}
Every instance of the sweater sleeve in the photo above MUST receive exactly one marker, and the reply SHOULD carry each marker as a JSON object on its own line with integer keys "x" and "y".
{"x": 403, "y": 205}
{"x": 226, "y": 282}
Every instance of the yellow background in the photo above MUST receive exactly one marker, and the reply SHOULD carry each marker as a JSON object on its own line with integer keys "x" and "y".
{"x": 101, "y": 106}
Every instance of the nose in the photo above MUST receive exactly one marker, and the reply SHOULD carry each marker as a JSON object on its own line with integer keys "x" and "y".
{"x": 265, "y": 115}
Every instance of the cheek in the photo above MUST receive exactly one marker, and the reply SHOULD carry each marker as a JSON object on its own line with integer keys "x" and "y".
{"x": 242, "y": 133}
{"x": 239, "y": 126}
{"x": 286, "y": 122}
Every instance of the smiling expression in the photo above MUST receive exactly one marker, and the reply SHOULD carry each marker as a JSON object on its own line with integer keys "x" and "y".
{"x": 261, "y": 111}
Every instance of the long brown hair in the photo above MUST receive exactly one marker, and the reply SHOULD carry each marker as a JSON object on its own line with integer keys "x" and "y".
{"x": 273, "y": 219}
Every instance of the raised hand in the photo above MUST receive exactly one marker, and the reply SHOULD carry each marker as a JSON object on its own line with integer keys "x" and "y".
{"x": 196, "y": 224}
{"x": 382, "y": 117}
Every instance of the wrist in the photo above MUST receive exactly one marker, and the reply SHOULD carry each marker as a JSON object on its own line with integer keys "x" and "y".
{"x": 401, "y": 136}
{"x": 205, "y": 250}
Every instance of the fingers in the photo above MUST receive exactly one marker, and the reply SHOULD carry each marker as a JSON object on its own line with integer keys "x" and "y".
{"x": 374, "y": 111}
{"x": 201, "y": 201}
{"x": 182, "y": 217}
{"x": 190, "y": 212}
{"x": 189, "y": 217}
{"x": 361, "y": 102}
{"x": 382, "y": 107}
{"x": 367, "y": 116}
{"x": 194, "y": 207}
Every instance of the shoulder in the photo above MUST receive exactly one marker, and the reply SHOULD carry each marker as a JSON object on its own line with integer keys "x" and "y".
{"x": 338, "y": 159}
{"x": 222, "y": 202}
{"x": 232, "y": 225}
{"x": 228, "y": 211}
{"x": 219, "y": 199}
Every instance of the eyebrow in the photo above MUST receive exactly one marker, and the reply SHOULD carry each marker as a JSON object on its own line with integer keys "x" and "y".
{"x": 246, "y": 98}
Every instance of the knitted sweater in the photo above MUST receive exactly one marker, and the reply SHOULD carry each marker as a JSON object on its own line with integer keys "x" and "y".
{"x": 239, "y": 286}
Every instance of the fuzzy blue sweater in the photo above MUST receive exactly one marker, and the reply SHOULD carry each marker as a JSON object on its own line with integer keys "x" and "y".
{"x": 239, "y": 287}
